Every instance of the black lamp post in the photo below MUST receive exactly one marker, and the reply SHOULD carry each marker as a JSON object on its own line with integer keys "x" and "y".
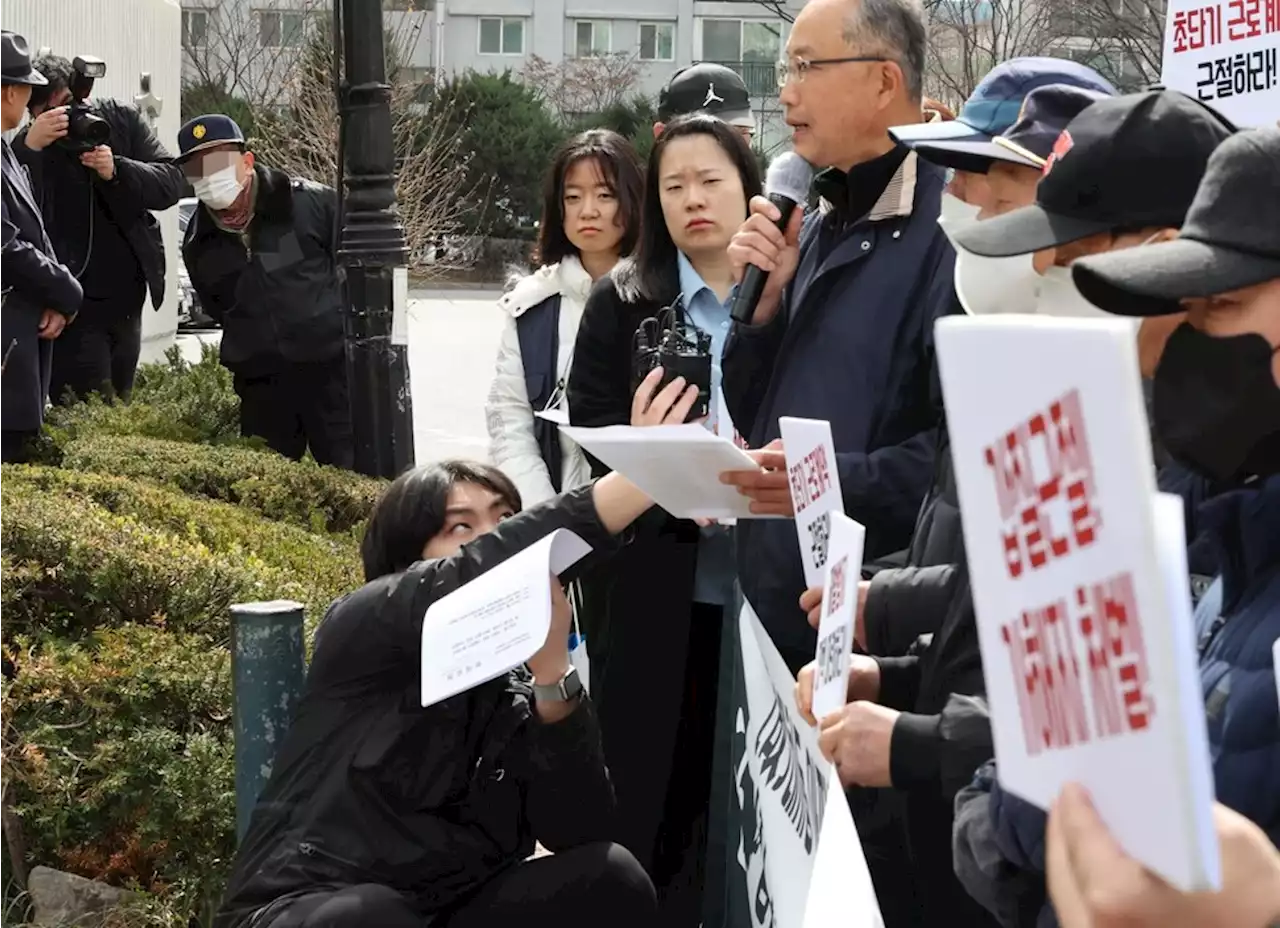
{"x": 372, "y": 248}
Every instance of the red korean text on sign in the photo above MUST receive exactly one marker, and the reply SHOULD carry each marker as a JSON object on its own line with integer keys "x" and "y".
{"x": 810, "y": 477}
{"x": 1198, "y": 28}
{"x": 1244, "y": 19}
{"x": 836, "y": 588}
{"x": 1023, "y": 492}
{"x": 1117, "y": 657}
{"x": 1271, "y": 16}
{"x": 1046, "y": 675}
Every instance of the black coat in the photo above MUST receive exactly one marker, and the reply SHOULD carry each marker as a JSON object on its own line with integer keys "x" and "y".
{"x": 146, "y": 179}
{"x": 637, "y": 605}
{"x": 33, "y": 281}
{"x": 371, "y": 787}
{"x": 274, "y": 290}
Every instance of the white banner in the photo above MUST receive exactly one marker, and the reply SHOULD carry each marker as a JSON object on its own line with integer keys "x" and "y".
{"x": 786, "y": 795}
{"x": 1224, "y": 53}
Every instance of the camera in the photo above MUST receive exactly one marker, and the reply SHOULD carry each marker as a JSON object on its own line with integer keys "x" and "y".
{"x": 85, "y": 131}
{"x": 681, "y": 350}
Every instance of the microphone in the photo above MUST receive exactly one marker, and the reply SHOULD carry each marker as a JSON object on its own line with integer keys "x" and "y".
{"x": 786, "y": 185}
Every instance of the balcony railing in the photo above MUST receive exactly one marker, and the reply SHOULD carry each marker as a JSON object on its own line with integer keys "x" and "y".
{"x": 761, "y": 77}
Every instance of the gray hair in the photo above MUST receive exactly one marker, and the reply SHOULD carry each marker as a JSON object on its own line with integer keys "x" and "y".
{"x": 897, "y": 29}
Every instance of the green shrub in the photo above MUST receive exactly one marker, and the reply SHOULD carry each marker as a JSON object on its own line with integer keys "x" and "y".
{"x": 301, "y": 492}
{"x": 81, "y": 566}
{"x": 324, "y": 566}
{"x": 119, "y": 759}
{"x": 172, "y": 400}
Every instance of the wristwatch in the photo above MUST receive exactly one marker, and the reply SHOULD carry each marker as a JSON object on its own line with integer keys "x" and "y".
{"x": 569, "y": 687}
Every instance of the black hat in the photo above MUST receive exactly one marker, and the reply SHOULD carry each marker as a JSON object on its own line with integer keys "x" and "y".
{"x": 706, "y": 88}
{"x": 1045, "y": 113}
{"x": 1129, "y": 162}
{"x": 15, "y": 61}
{"x": 1230, "y": 240}
{"x": 207, "y": 132}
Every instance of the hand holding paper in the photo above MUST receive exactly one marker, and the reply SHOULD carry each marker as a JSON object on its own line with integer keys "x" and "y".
{"x": 498, "y": 621}
{"x": 766, "y": 484}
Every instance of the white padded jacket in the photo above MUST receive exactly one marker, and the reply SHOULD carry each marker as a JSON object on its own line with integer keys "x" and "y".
{"x": 512, "y": 446}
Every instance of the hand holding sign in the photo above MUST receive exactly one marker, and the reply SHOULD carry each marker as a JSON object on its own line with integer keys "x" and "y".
{"x": 862, "y": 681}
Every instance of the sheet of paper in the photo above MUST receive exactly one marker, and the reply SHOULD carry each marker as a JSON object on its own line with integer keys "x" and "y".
{"x": 839, "y": 605}
{"x": 679, "y": 466}
{"x": 400, "y": 306}
{"x": 497, "y": 621}
{"x": 840, "y": 888}
{"x": 557, "y": 415}
{"x": 1171, "y": 552}
{"x": 1080, "y": 597}
{"x": 815, "y": 488}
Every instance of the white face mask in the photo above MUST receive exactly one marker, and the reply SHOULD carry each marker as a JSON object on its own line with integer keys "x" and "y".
{"x": 956, "y": 215}
{"x": 1059, "y": 297}
{"x": 988, "y": 286}
{"x": 219, "y": 190}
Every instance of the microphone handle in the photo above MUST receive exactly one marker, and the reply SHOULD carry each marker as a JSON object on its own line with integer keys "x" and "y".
{"x": 753, "y": 279}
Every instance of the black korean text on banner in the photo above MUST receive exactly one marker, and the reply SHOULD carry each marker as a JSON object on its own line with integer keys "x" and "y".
{"x": 1224, "y": 53}
{"x": 1092, "y": 638}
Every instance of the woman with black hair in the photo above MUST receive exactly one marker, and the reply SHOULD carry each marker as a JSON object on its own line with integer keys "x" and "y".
{"x": 659, "y": 603}
{"x": 381, "y": 812}
{"x": 590, "y": 218}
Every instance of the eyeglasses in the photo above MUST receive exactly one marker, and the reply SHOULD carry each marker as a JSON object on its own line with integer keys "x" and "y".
{"x": 798, "y": 67}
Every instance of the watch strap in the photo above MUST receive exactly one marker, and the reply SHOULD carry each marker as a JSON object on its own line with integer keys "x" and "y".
{"x": 568, "y": 687}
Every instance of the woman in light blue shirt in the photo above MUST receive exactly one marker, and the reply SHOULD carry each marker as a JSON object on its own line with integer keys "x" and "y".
{"x": 660, "y": 602}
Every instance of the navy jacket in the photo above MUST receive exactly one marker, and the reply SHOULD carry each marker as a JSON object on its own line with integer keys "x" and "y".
{"x": 1237, "y": 621}
{"x": 852, "y": 344}
{"x": 34, "y": 280}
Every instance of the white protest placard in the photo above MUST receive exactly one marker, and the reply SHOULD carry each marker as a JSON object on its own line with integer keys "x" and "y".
{"x": 678, "y": 466}
{"x": 1087, "y": 647}
{"x": 497, "y": 621}
{"x": 400, "y": 306}
{"x": 787, "y": 800}
{"x": 1224, "y": 53}
{"x": 839, "y": 608}
{"x": 815, "y": 488}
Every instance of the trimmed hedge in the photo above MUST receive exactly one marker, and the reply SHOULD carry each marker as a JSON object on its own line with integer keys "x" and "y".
{"x": 321, "y": 499}
{"x": 81, "y": 566}
{"x": 323, "y": 566}
{"x": 119, "y": 758}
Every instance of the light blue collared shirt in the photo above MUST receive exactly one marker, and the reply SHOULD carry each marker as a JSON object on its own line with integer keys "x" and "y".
{"x": 713, "y": 581}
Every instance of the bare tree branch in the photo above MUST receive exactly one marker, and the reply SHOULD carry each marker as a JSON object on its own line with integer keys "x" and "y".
{"x": 575, "y": 86}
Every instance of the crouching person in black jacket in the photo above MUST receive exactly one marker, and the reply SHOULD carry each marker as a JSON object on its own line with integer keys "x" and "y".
{"x": 261, "y": 258}
{"x": 381, "y": 812}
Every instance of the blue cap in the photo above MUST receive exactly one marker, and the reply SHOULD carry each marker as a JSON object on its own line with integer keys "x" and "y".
{"x": 207, "y": 132}
{"x": 994, "y": 106}
{"x": 1045, "y": 113}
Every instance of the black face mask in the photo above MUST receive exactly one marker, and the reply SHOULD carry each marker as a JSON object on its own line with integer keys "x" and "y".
{"x": 1216, "y": 405}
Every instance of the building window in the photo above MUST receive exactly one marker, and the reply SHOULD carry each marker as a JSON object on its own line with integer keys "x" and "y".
{"x": 592, "y": 38}
{"x": 731, "y": 40}
{"x": 657, "y": 41}
{"x": 195, "y": 28}
{"x": 280, "y": 30}
{"x": 501, "y": 36}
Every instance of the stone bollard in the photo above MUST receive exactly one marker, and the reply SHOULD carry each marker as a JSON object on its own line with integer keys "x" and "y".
{"x": 267, "y": 671}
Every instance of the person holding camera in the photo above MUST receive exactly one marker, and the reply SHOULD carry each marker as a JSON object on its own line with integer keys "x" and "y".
{"x": 660, "y": 602}
{"x": 260, "y": 252}
{"x": 99, "y": 172}
{"x": 40, "y": 294}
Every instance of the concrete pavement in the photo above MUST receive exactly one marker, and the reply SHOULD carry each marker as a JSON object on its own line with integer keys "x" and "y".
{"x": 453, "y": 341}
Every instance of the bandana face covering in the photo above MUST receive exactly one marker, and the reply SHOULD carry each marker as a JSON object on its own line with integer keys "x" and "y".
{"x": 1216, "y": 405}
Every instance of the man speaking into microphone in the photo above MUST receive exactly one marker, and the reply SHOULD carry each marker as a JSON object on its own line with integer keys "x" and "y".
{"x": 842, "y": 328}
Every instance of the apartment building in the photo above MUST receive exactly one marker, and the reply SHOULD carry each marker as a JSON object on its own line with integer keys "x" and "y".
{"x": 452, "y": 36}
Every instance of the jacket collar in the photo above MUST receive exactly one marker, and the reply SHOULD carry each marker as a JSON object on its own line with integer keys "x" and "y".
{"x": 1242, "y": 525}
{"x": 840, "y": 190}
{"x": 568, "y": 278}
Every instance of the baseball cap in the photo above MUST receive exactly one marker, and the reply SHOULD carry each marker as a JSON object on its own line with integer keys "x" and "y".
{"x": 207, "y": 131}
{"x": 1124, "y": 163}
{"x": 706, "y": 88}
{"x": 995, "y": 104}
{"x": 1045, "y": 113}
{"x": 15, "y": 61}
{"x": 1228, "y": 242}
